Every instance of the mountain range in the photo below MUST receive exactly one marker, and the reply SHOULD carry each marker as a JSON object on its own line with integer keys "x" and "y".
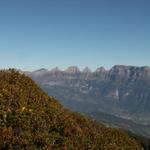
{"x": 31, "y": 120}
{"x": 122, "y": 91}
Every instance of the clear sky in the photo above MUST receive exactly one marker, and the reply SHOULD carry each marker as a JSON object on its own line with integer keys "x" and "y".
{"x": 47, "y": 33}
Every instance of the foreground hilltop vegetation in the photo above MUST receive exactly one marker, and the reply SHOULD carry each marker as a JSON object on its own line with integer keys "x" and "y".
{"x": 31, "y": 120}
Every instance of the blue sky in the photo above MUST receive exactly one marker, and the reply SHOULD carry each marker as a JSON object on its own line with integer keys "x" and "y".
{"x": 47, "y": 33}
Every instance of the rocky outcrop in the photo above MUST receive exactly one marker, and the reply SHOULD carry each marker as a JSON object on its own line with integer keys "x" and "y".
{"x": 129, "y": 73}
{"x": 72, "y": 70}
{"x": 40, "y": 72}
{"x": 100, "y": 70}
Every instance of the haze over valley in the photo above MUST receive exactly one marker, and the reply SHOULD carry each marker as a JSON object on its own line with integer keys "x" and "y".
{"x": 121, "y": 93}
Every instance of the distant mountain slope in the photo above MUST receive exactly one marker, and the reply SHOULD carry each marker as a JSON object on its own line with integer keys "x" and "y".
{"x": 30, "y": 119}
{"x": 116, "y": 122}
{"x": 123, "y": 91}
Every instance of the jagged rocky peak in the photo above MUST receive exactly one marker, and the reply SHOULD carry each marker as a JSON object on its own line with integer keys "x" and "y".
{"x": 122, "y": 72}
{"x": 86, "y": 70}
{"x": 40, "y": 71}
{"x": 121, "y": 69}
{"x": 130, "y": 72}
{"x": 73, "y": 69}
{"x": 100, "y": 70}
{"x": 56, "y": 69}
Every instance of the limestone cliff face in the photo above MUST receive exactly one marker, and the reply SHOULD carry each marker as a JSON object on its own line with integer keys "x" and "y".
{"x": 122, "y": 90}
{"x": 118, "y": 72}
{"x": 73, "y": 70}
{"x": 130, "y": 73}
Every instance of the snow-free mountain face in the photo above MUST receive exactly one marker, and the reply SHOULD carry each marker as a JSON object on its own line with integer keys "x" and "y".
{"x": 123, "y": 91}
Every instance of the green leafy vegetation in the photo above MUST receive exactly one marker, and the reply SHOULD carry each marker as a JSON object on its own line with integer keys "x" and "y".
{"x": 31, "y": 120}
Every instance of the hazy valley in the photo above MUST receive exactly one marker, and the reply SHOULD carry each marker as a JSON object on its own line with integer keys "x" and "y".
{"x": 122, "y": 92}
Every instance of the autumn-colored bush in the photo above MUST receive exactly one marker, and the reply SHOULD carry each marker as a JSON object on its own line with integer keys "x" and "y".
{"x": 31, "y": 120}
